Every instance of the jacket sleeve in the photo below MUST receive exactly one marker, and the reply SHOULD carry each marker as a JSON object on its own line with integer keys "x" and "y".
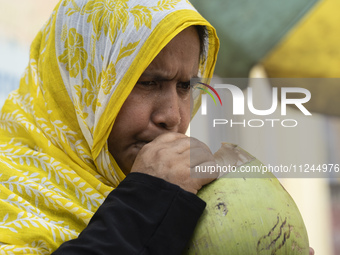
{"x": 143, "y": 215}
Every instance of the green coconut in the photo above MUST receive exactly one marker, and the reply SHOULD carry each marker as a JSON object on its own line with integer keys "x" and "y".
{"x": 247, "y": 213}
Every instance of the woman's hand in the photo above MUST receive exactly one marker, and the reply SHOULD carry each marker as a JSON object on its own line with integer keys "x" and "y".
{"x": 171, "y": 156}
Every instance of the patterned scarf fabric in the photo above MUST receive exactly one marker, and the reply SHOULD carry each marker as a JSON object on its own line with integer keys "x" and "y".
{"x": 55, "y": 167}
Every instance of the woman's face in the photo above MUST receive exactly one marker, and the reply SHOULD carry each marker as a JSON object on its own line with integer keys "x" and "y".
{"x": 159, "y": 102}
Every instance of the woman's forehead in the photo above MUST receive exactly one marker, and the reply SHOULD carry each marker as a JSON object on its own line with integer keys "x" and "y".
{"x": 181, "y": 52}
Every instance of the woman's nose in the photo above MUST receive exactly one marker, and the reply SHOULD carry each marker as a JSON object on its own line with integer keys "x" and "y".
{"x": 167, "y": 112}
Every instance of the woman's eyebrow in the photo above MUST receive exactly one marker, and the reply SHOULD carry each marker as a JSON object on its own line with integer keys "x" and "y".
{"x": 159, "y": 75}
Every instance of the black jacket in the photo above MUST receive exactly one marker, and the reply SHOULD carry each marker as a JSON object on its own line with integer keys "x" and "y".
{"x": 143, "y": 215}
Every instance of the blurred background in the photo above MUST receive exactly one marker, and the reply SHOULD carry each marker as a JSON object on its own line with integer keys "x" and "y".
{"x": 266, "y": 39}
{"x": 20, "y": 21}
{"x": 259, "y": 38}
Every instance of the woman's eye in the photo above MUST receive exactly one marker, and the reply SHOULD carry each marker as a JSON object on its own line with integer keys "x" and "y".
{"x": 147, "y": 83}
{"x": 185, "y": 85}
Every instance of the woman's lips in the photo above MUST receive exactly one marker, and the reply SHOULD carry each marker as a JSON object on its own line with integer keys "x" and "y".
{"x": 139, "y": 145}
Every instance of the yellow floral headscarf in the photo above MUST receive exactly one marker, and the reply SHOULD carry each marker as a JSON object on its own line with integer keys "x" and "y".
{"x": 55, "y": 168}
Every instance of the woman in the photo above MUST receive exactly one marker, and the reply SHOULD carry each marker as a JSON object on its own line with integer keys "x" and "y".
{"x": 106, "y": 93}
